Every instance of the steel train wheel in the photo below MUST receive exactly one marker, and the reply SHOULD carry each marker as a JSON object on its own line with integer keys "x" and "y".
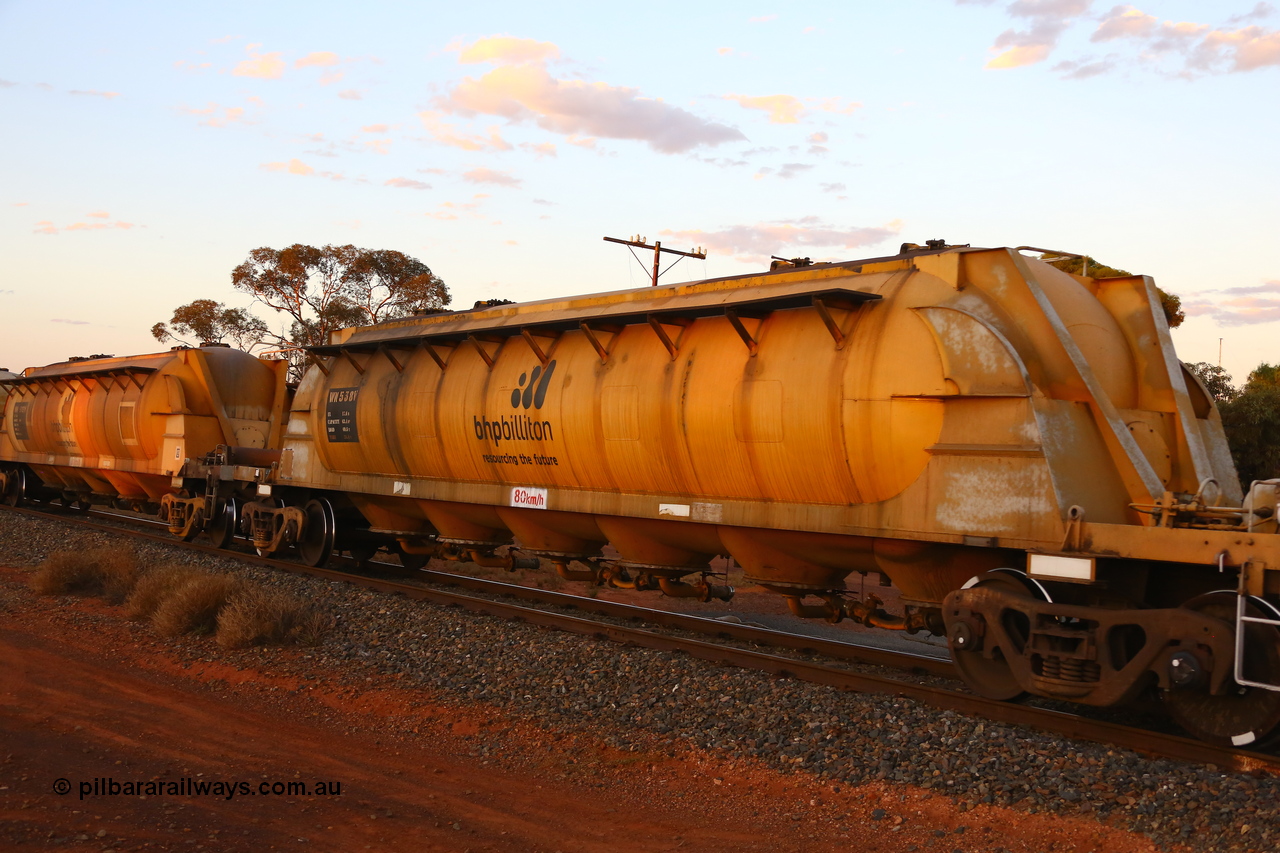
{"x": 362, "y": 552}
{"x": 17, "y": 488}
{"x": 991, "y": 676}
{"x": 412, "y": 561}
{"x": 1244, "y": 716}
{"x": 222, "y": 527}
{"x": 315, "y": 545}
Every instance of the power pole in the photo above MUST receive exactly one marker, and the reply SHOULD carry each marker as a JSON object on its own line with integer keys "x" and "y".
{"x": 638, "y": 242}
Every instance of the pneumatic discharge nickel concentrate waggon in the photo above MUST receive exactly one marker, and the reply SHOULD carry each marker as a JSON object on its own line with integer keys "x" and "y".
{"x": 1016, "y": 448}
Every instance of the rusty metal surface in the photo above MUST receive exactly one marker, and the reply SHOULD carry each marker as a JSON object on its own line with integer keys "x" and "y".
{"x": 1068, "y": 725}
{"x": 939, "y": 421}
{"x": 123, "y": 427}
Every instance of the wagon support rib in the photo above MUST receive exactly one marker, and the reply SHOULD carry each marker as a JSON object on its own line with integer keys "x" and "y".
{"x": 531, "y": 336}
{"x": 497, "y": 325}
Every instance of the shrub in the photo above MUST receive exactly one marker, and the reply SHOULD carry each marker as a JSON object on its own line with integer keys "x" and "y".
{"x": 153, "y": 587}
{"x": 192, "y": 606}
{"x": 106, "y": 572}
{"x": 260, "y": 615}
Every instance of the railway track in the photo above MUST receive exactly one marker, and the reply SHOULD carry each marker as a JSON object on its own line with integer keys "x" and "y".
{"x": 426, "y": 586}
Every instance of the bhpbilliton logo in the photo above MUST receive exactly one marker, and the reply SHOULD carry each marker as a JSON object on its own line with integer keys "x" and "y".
{"x": 535, "y": 392}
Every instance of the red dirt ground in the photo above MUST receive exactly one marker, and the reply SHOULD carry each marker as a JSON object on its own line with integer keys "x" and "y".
{"x": 85, "y": 694}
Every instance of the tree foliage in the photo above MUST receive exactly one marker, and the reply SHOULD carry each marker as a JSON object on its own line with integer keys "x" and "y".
{"x": 1252, "y": 423}
{"x": 332, "y": 287}
{"x": 318, "y": 290}
{"x": 210, "y": 322}
{"x": 1250, "y": 417}
{"x": 1216, "y": 380}
{"x": 1170, "y": 302}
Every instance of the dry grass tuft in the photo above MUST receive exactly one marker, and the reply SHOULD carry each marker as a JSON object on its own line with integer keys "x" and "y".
{"x": 104, "y": 572}
{"x": 180, "y": 600}
{"x": 192, "y": 606}
{"x": 153, "y": 587}
{"x": 259, "y": 615}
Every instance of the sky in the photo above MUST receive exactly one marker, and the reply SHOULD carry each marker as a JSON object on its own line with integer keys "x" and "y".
{"x": 146, "y": 148}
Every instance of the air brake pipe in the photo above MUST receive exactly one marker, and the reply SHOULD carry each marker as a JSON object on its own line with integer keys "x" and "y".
{"x": 563, "y": 570}
{"x": 701, "y": 590}
{"x": 834, "y": 609}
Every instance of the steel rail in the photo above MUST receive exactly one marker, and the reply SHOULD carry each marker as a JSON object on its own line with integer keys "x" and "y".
{"x": 1047, "y": 720}
{"x": 937, "y": 666}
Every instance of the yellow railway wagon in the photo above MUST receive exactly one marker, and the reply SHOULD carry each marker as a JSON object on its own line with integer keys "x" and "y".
{"x": 925, "y": 416}
{"x": 1018, "y": 449}
{"x": 124, "y": 429}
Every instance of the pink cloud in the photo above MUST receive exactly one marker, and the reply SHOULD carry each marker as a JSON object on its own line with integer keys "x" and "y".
{"x": 782, "y": 109}
{"x": 755, "y": 243}
{"x": 215, "y": 115}
{"x": 506, "y": 50}
{"x": 293, "y": 167}
{"x": 788, "y": 109}
{"x": 322, "y": 59}
{"x": 447, "y": 134}
{"x": 94, "y": 93}
{"x": 527, "y": 92}
{"x": 452, "y": 209}
{"x": 407, "y": 184}
{"x": 542, "y": 149}
{"x": 1269, "y": 287}
{"x": 1046, "y": 22}
{"x": 45, "y": 226}
{"x": 297, "y": 167}
{"x": 1247, "y": 305}
{"x": 266, "y": 66}
{"x": 490, "y": 176}
{"x": 350, "y": 95}
{"x": 1203, "y": 48}
{"x": 1125, "y": 22}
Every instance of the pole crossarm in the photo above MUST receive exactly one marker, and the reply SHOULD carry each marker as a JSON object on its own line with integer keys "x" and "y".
{"x": 658, "y": 249}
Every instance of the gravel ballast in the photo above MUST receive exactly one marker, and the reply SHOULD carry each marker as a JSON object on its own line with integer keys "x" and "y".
{"x": 638, "y": 699}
